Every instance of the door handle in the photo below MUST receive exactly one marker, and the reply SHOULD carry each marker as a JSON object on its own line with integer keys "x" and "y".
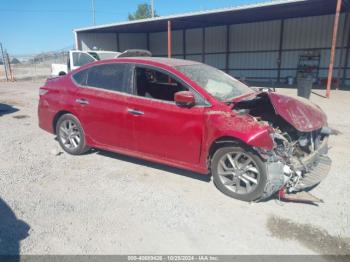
{"x": 135, "y": 112}
{"x": 82, "y": 101}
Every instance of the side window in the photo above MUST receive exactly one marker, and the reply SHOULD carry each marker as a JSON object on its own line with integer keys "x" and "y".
{"x": 155, "y": 84}
{"x": 115, "y": 77}
{"x": 80, "y": 59}
{"x": 158, "y": 85}
{"x": 81, "y": 77}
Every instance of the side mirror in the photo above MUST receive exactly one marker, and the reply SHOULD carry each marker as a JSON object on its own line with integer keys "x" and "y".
{"x": 185, "y": 99}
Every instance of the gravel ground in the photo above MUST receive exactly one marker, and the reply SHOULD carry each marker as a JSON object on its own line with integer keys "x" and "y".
{"x": 106, "y": 203}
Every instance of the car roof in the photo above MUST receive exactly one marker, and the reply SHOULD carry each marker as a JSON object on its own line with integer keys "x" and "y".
{"x": 161, "y": 60}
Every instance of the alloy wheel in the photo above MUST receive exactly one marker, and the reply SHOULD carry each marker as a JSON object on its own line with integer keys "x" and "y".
{"x": 238, "y": 172}
{"x": 69, "y": 134}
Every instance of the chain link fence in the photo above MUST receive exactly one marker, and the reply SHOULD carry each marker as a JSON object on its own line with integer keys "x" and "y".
{"x": 33, "y": 68}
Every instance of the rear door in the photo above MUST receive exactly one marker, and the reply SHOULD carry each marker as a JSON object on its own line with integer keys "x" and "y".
{"x": 101, "y": 104}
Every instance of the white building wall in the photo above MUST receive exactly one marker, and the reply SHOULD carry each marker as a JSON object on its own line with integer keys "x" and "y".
{"x": 253, "y": 60}
{"x": 158, "y": 43}
{"x": 215, "y": 39}
{"x": 253, "y": 49}
{"x": 216, "y": 60}
{"x": 310, "y": 32}
{"x": 258, "y": 36}
{"x": 98, "y": 41}
{"x": 194, "y": 41}
{"x": 132, "y": 41}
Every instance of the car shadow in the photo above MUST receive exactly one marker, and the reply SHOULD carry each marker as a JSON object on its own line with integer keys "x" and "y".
{"x": 7, "y": 109}
{"x": 137, "y": 161}
{"x": 12, "y": 231}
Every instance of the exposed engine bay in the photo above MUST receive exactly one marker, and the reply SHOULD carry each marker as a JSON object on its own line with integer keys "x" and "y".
{"x": 298, "y": 160}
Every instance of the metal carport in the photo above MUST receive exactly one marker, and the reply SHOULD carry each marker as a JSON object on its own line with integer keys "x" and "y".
{"x": 260, "y": 42}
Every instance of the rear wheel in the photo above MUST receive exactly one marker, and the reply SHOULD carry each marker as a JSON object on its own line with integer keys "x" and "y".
{"x": 71, "y": 135}
{"x": 239, "y": 173}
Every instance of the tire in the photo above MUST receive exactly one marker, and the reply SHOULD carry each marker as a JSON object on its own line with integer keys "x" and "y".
{"x": 232, "y": 179}
{"x": 71, "y": 135}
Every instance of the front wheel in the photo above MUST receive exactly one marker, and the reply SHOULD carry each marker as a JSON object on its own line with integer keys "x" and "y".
{"x": 239, "y": 173}
{"x": 71, "y": 135}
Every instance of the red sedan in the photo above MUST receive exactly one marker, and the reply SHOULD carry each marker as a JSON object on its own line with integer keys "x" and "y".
{"x": 190, "y": 115}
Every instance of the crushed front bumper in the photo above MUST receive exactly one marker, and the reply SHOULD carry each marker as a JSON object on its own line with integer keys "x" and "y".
{"x": 313, "y": 168}
{"x": 306, "y": 172}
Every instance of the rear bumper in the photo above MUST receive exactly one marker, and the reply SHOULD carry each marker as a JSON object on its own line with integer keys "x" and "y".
{"x": 45, "y": 116}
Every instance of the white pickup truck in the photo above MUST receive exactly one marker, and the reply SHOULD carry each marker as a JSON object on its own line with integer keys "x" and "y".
{"x": 78, "y": 58}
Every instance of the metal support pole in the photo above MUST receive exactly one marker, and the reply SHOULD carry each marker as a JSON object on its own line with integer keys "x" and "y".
{"x": 184, "y": 43}
{"x": 77, "y": 41}
{"x": 9, "y": 66}
{"x": 148, "y": 42}
{"x": 279, "y": 62}
{"x": 341, "y": 70}
{"x": 4, "y": 62}
{"x": 346, "y": 64}
{"x": 169, "y": 39}
{"x": 334, "y": 42}
{"x": 93, "y": 12}
{"x": 117, "y": 39}
{"x": 227, "y": 58}
{"x": 203, "y": 45}
{"x": 152, "y": 8}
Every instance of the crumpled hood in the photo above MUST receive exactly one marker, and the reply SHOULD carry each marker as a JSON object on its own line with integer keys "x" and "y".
{"x": 299, "y": 112}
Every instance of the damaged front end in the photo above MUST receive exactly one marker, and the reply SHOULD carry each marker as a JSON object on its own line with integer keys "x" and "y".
{"x": 298, "y": 160}
{"x": 297, "y": 164}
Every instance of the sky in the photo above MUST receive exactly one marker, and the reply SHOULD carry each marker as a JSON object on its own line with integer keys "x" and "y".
{"x": 34, "y": 26}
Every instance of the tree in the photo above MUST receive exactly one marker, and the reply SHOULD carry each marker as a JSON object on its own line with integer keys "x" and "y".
{"x": 143, "y": 11}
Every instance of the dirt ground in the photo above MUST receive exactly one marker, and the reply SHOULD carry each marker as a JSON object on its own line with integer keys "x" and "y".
{"x": 106, "y": 203}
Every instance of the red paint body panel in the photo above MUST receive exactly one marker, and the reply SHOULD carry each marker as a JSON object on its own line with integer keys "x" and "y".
{"x": 104, "y": 118}
{"x": 164, "y": 132}
{"x": 167, "y": 130}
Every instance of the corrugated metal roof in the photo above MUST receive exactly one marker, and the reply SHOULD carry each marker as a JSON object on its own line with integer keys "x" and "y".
{"x": 239, "y": 14}
{"x": 161, "y": 60}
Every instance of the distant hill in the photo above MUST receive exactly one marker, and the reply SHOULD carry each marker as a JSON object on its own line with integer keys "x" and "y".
{"x": 15, "y": 61}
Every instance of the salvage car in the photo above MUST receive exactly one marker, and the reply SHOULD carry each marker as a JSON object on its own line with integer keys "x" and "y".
{"x": 192, "y": 116}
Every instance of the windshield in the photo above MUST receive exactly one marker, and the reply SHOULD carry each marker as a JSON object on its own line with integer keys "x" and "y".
{"x": 217, "y": 83}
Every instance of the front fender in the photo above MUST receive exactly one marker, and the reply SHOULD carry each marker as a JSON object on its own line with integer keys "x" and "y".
{"x": 242, "y": 127}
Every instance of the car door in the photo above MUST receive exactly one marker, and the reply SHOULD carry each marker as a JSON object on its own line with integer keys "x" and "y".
{"x": 101, "y": 104}
{"x": 165, "y": 130}
{"x": 78, "y": 59}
